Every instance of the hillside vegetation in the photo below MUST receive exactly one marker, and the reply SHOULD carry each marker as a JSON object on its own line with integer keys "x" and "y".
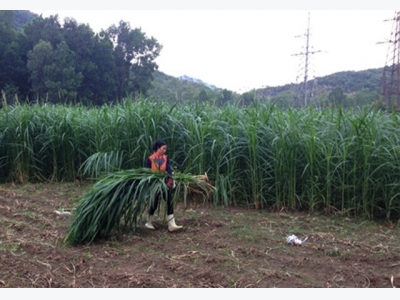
{"x": 81, "y": 66}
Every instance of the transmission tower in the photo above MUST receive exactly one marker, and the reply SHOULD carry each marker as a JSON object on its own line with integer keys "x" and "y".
{"x": 304, "y": 92}
{"x": 389, "y": 88}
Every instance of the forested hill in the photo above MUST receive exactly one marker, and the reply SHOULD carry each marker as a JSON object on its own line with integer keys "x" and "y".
{"x": 21, "y": 17}
{"x": 173, "y": 89}
{"x": 169, "y": 88}
{"x": 350, "y": 81}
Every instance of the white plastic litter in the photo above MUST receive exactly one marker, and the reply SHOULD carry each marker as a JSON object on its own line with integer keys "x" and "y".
{"x": 62, "y": 212}
{"x": 295, "y": 241}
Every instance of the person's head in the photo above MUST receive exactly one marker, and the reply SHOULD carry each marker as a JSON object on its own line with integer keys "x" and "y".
{"x": 160, "y": 147}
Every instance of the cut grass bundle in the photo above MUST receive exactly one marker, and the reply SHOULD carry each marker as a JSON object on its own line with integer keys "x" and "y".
{"x": 120, "y": 198}
{"x": 187, "y": 184}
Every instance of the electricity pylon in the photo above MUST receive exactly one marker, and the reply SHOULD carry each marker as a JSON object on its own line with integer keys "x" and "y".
{"x": 389, "y": 88}
{"x": 304, "y": 92}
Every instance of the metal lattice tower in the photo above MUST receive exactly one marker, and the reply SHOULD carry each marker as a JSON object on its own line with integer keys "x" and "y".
{"x": 389, "y": 88}
{"x": 304, "y": 92}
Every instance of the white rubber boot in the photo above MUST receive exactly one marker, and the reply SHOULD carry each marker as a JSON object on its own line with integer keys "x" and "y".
{"x": 171, "y": 223}
{"x": 149, "y": 224}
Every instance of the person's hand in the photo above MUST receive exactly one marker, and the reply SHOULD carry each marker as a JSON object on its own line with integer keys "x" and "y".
{"x": 170, "y": 182}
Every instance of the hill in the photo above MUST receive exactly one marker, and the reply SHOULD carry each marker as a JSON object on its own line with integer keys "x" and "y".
{"x": 184, "y": 89}
{"x": 350, "y": 81}
{"x": 21, "y": 17}
{"x": 358, "y": 88}
{"x": 188, "y": 78}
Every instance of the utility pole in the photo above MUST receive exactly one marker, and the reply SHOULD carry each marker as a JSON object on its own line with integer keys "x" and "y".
{"x": 303, "y": 92}
{"x": 389, "y": 88}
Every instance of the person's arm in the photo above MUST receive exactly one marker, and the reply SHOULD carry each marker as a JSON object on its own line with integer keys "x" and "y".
{"x": 170, "y": 180}
{"x": 169, "y": 169}
{"x": 148, "y": 163}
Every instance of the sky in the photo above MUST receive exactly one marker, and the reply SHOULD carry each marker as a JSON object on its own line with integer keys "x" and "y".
{"x": 241, "y": 48}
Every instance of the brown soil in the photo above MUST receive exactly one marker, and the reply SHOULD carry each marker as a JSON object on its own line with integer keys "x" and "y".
{"x": 216, "y": 248}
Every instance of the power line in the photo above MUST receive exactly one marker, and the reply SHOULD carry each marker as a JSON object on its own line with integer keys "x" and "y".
{"x": 389, "y": 88}
{"x": 304, "y": 93}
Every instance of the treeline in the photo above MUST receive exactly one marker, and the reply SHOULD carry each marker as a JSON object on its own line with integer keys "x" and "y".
{"x": 322, "y": 98}
{"x": 45, "y": 60}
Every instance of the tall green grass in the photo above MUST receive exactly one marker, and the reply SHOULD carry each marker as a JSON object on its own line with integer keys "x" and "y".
{"x": 333, "y": 160}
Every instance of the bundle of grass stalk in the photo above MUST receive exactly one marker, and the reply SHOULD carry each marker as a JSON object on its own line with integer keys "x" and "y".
{"x": 119, "y": 199}
{"x": 194, "y": 186}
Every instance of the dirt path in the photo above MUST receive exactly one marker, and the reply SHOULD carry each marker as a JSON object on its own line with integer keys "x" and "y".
{"x": 216, "y": 248}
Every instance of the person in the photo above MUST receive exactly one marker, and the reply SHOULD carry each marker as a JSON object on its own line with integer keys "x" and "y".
{"x": 159, "y": 161}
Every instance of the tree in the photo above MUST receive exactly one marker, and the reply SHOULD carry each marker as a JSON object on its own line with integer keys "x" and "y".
{"x": 143, "y": 65}
{"x": 248, "y": 98}
{"x": 53, "y": 74}
{"x": 21, "y": 17}
{"x": 13, "y": 49}
{"x": 46, "y": 29}
{"x": 38, "y": 58}
{"x": 224, "y": 97}
{"x": 337, "y": 97}
{"x": 14, "y": 71}
{"x": 363, "y": 98}
{"x": 203, "y": 96}
{"x": 101, "y": 79}
{"x": 284, "y": 99}
{"x": 81, "y": 40}
{"x": 60, "y": 77}
{"x": 134, "y": 56}
{"x": 7, "y": 19}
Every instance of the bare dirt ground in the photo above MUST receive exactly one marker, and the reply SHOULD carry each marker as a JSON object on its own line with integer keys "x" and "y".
{"x": 218, "y": 247}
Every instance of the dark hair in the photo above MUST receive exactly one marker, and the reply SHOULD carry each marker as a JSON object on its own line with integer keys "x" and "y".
{"x": 157, "y": 145}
